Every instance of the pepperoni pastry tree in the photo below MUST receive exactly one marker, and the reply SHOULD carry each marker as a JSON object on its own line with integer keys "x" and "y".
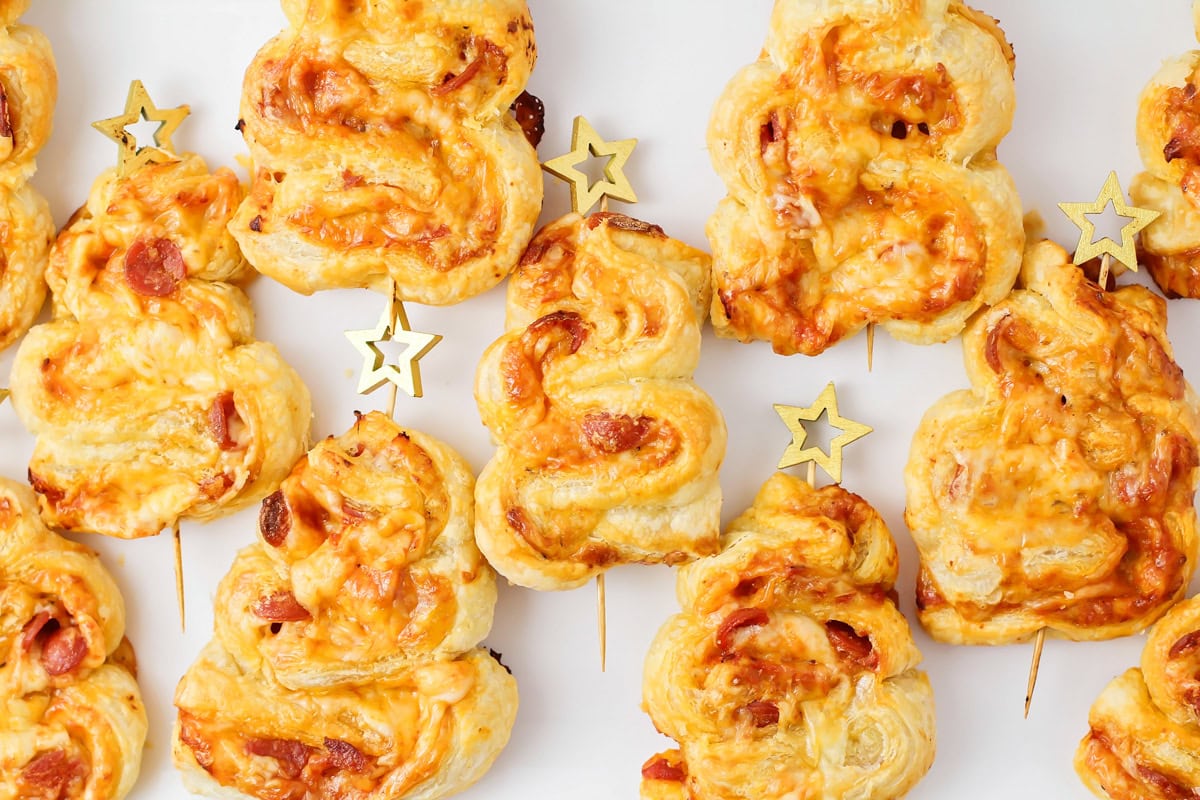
{"x": 384, "y": 151}
{"x": 148, "y": 395}
{"x": 72, "y": 722}
{"x": 859, "y": 153}
{"x": 28, "y": 90}
{"x": 1144, "y": 733}
{"x": 1057, "y": 492}
{"x": 346, "y": 659}
{"x": 790, "y": 672}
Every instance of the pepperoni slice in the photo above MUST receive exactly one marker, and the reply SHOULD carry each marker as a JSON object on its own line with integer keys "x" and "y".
{"x": 6, "y": 126}
{"x": 33, "y": 629}
{"x": 742, "y": 618}
{"x": 344, "y": 755}
{"x": 50, "y": 771}
{"x": 63, "y": 650}
{"x": 220, "y": 413}
{"x": 280, "y": 607}
{"x": 850, "y": 644}
{"x": 660, "y": 769}
{"x": 154, "y": 268}
{"x": 275, "y": 520}
{"x": 530, "y": 113}
{"x": 291, "y": 755}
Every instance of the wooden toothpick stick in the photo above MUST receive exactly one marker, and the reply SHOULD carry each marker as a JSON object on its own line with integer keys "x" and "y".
{"x": 179, "y": 578}
{"x": 870, "y": 345}
{"x": 1033, "y": 668}
{"x": 601, "y": 619}
{"x": 1104, "y": 271}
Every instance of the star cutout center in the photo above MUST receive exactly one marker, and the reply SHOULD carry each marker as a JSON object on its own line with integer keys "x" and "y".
{"x": 794, "y": 418}
{"x": 139, "y": 106}
{"x": 1089, "y": 246}
{"x": 585, "y": 144}
{"x": 406, "y": 373}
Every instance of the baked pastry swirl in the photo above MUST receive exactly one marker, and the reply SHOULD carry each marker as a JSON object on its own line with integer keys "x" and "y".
{"x": 1057, "y": 492}
{"x": 790, "y": 672}
{"x": 859, "y": 153}
{"x": 384, "y": 149}
{"x": 147, "y": 393}
{"x": 346, "y": 660}
{"x": 1168, "y": 138}
{"x": 1144, "y": 741}
{"x": 28, "y": 91}
{"x": 72, "y": 724}
{"x": 608, "y": 451}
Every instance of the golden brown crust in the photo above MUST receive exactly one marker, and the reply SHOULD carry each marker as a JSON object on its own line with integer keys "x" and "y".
{"x": 72, "y": 722}
{"x": 1057, "y": 493}
{"x": 862, "y": 176}
{"x": 345, "y": 664}
{"x": 148, "y": 396}
{"x": 28, "y": 90}
{"x": 1144, "y": 737}
{"x": 384, "y": 149}
{"x": 790, "y": 672}
{"x": 608, "y": 452}
{"x": 1168, "y": 137}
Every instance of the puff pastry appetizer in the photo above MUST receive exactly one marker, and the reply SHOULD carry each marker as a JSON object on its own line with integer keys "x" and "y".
{"x": 346, "y": 659}
{"x": 28, "y": 90}
{"x": 790, "y": 672}
{"x": 384, "y": 149}
{"x": 608, "y": 451}
{"x": 1144, "y": 741}
{"x": 147, "y": 393}
{"x": 1057, "y": 492}
{"x": 1168, "y": 137}
{"x": 859, "y": 154}
{"x": 72, "y": 724}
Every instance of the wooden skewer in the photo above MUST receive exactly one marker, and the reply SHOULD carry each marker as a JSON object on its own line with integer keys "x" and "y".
{"x": 391, "y": 404}
{"x": 601, "y": 619}
{"x": 1103, "y": 272}
{"x": 179, "y": 578}
{"x": 601, "y": 603}
{"x": 1033, "y": 668}
{"x": 812, "y": 474}
{"x": 870, "y": 345}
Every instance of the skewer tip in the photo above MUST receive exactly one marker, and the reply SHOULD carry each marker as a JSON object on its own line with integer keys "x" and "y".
{"x": 601, "y": 619}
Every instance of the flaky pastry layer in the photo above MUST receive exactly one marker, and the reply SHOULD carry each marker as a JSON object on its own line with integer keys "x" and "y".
{"x": 345, "y": 664}
{"x": 859, "y": 154}
{"x": 72, "y": 722}
{"x": 1168, "y": 138}
{"x": 149, "y": 397}
{"x": 1057, "y": 492}
{"x": 384, "y": 150}
{"x": 790, "y": 672}
{"x": 28, "y": 91}
{"x": 1144, "y": 737}
{"x": 608, "y": 451}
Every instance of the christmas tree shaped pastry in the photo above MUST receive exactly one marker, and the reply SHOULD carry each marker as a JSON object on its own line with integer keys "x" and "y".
{"x": 346, "y": 658}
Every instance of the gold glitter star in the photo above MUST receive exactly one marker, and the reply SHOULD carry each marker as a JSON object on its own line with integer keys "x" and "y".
{"x": 797, "y": 453}
{"x": 3, "y": 395}
{"x": 139, "y": 106}
{"x": 586, "y": 143}
{"x": 392, "y": 327}
{"x": 1138, "y": 218}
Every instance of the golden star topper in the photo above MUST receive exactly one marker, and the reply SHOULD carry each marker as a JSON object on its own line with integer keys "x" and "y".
{"x": 3, "y": 395}
{"x": 139, "y": 107}
{"x": 393, "y": 327}
{"x": 1088, "y": 247}
{"x": 795, "y": 417}
{"x": 585, "y": 144}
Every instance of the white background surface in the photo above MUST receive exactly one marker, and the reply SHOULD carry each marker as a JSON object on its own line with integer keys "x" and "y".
{"x": 649, "y": 69}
